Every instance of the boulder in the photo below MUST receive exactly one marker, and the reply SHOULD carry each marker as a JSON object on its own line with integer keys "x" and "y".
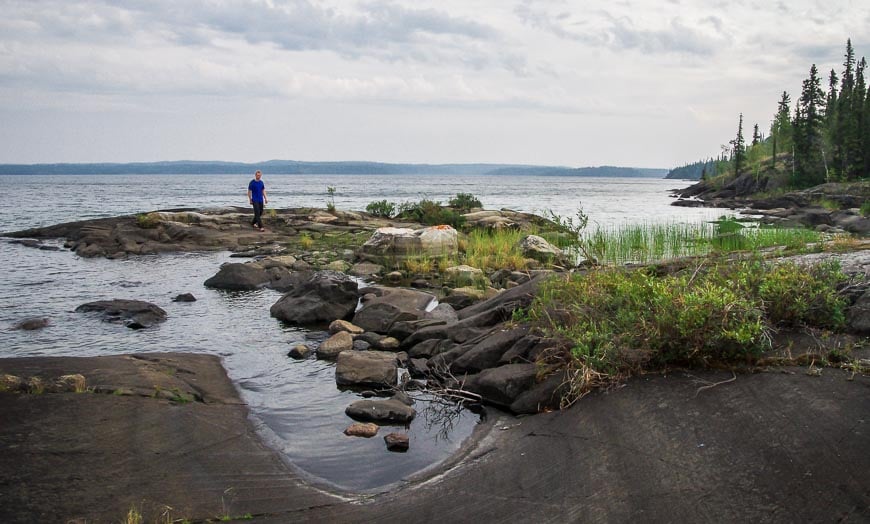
{"x": 323, "y": 297}
{"x": 397, "y": 442}
{"x": 542, "y": 396}
{"x": 362, "y": 429}
{"x": 533, "y": 246}
{"x": 392, "y": 242}
{"x": 463, "y": 275}
{"x": 503, "y": 385}
{"x": 138, "y": 314}
{"x": 858, "y": 316}
{"x": 330, "y": 348}
{"x": 366, "y": 269}
{"x": 344, "y": 325}
{"x": 366, "y": 368}
{"x": 235, "y": 276}
{"x": 31, "y": 324}
{"x": 299, "y": 352}
{"x": 184, "y": 297}
{"x": 487, "y": 353}
{"x": 390, "y": 411}
{"x": 443, "y": 312}
{"x": 384, "y": 306}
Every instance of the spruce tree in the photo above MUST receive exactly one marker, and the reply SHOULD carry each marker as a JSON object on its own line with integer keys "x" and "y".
{"x": 855, "y": 140}
{"x": 739, "y": 149}
{"x": 844, "y": 126}
{"x": 780, "y": 129}
{"x": 809, "y": 158}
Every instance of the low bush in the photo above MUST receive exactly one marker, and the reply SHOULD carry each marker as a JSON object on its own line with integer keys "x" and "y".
{"x": 147, "y": 220}
{"x": 430, "y": 213}
{"x": 464, "y": 202}
{"x": 617, "y": 322}
{"x": 381, "y": 208}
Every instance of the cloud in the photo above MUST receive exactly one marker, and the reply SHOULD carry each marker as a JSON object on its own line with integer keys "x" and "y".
{"x": 620, "y": 32}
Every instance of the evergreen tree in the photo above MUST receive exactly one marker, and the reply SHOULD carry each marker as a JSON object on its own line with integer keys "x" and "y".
{"x": 809, "y": 157}
{"x": 832, "y": 138}
{"x": 780, "y": 129}
{"x": 854, "y": 143}
{"x": 738, "y": 148}
{"x": 844, "y": 127}
{"x": 756, "y": 136}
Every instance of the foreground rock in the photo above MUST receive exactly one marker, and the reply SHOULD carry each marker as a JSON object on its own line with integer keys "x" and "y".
{"x": 323, "y": 297}
{"x": 137, "y": 313}
{"x": 390, "y": 411}
{"x": 580, "y": 461}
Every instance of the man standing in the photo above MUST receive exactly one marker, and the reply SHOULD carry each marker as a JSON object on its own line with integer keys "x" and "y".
{"x": 258, "y": 199}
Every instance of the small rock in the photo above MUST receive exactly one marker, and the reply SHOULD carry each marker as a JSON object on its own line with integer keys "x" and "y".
{"x": 31, "y": 324}
{"x": 387, "y": 344}
{"x": 394, "y": 276}
{"x": 299, "y": 352}
{"x": 361, "y": 345}
{"x": 343, "y": 325}
{"x": 185, "y": 297}
{"x": 362, "y": 429}
{"x": 398, "y": 442}
{"x": 331, "y": 347}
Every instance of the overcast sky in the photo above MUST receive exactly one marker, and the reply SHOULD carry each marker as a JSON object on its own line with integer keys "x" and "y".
{"x": 557, "y": 82}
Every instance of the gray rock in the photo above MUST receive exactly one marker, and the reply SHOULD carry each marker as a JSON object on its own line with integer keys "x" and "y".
{"x": 487, "y": 353}
{"x": 322, "y": 298}
{"x": 397, "y": 442}
{"x": 361, "y": 345}
{"x": 858, "y": 317}
{"x": 184, "y": 297}
{"x": 299, "y": 352}
{"x": 137, "y": 313}
{"x": 542, "y": 396}
{"x": 443, "y": 312}
{"x": 390, "y": 305}
{"x": 366, "y": 368}
{"x": 31, "y": 324}
{"x": 330, "y": 348}
{"x": 503, "y": 385}
{"x": 389, "y": 411}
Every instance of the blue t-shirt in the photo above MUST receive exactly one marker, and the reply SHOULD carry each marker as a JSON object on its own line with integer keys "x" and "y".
{"x": 256, "y": 187}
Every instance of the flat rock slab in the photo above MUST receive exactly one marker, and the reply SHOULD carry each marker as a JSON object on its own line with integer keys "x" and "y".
{"x": 138, "y": 313}
{"x": 92, "y": 456}
{"x": 767, "y": 447}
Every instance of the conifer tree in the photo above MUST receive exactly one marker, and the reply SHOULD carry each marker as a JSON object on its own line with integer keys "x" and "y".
{"x": 780, "y": 129}
{"x": 844, "y": 126}
{"x": 854, "y": 144}
{"x": 739, "y": 149}
{"x": 809, "y": 157}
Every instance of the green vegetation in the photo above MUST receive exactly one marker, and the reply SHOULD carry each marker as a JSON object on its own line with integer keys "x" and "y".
{"x": 330, "y": 202}
{"x": 824, "y": 137}
{"x": 381, "y": 208}
{"x": 645, "y": 243}
{"x": 430, "y": 213}
{"x": 147, "y": 220}
{"x": 618, "y": 322}
{"x": 464, "y": 202}
{"x": 865, "y": 209}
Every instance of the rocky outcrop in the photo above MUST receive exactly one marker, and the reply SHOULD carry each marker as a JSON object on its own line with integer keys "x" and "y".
{"x": 366, "y": 369}
{"x": 323, "y": 297}
{"x": 382, "y": 307}
{"x": 137, "y": 314}
{"x": 390, "y": 242}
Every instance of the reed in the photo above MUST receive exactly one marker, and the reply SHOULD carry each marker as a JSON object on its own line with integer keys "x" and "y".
{"x": 651, "y": 242}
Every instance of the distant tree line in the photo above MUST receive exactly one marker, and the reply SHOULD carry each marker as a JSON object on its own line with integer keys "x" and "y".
{"x": 826, "y": 137}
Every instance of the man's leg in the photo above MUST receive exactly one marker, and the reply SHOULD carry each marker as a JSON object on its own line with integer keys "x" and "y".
{"x": 258, "y": 214}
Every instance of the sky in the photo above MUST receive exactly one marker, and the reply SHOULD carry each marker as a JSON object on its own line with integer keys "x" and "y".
{"x": 576, "y": 83}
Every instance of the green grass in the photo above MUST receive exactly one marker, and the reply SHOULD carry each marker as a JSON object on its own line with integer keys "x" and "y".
{"x": 651, "y": 242}
{"x": 615, "y": 322}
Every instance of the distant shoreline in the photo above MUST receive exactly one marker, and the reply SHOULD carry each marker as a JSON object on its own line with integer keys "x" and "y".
{"x": 290, "y": 167}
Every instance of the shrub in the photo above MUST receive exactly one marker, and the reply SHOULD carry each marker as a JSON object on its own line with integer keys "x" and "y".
{"x": 305, "y": 241}
{"x": 147, "y": 220}
{"x": 617, "y": 321}
{"x": 430, "y": 213}
{"x": 381, "y": 208}
{"x": 865, "y": 209}
{"x": 464, "y": 202}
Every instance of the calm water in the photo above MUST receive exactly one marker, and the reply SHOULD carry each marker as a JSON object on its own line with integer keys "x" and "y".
{"x": 295, "y": 405}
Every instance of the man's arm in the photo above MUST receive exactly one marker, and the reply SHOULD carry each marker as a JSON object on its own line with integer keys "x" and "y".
{"x": 250, "y": 198}
{"x": 265, "y": 198}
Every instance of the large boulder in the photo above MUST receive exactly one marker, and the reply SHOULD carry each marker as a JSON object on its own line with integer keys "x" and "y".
{"x": 503, "y": 385}
{"x": 234, "y": 276}
{"x": 322, "y": 298}
{"x": 390, "y": 411}
{"x": 137, "y": 314}
{"x": 392, "y": 242}
{"x": 533, "y": 246}
{"x": 487, "y": 352}
{"x": 382, "y": 307}
{"x": 366, "y": 369}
